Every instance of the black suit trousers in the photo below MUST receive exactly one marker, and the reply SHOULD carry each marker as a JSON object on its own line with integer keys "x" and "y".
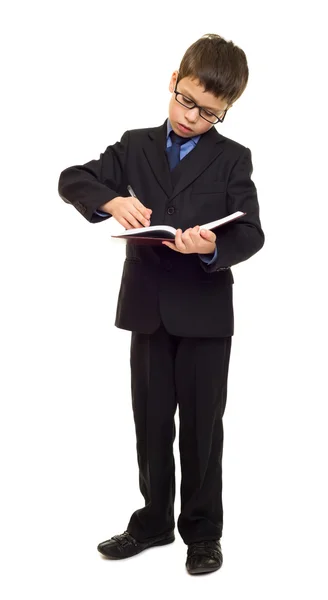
{"x": 169, "y": 371}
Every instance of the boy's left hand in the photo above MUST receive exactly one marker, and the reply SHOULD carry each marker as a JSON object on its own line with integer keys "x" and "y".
{"x": 193, "y": 241}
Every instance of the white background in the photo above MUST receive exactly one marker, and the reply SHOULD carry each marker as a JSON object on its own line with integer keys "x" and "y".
{"x": 75, "y": 76}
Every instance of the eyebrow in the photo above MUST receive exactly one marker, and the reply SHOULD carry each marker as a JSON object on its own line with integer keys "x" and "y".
{"x": 214, "y": 110}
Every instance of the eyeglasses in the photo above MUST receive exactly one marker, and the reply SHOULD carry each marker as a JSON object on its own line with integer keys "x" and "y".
{"x": 203, "y": 112}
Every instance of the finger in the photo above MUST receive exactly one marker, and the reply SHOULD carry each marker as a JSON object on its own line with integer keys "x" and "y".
{"x": 208, "y": 235}
{"x": 194, "y": 233}
{"x": 125, "y": 223}
{"x": 139, "y": 216}
{"x": 185, "y": 234}
{"x": 178, "y": 241}
{"x": 185, "y": 237}
{"x": 146, "y": 212}
{"x": 170, "y": 245}
{"x": 132, "y": 221}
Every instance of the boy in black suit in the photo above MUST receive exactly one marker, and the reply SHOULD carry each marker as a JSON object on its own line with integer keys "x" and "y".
{"x": 177, "y": 299}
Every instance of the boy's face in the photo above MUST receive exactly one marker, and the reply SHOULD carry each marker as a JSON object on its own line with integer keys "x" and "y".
{"x": 182, "y": 118}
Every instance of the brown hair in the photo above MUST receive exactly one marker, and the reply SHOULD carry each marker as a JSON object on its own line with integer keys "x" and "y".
{"x": 220, "y": 66}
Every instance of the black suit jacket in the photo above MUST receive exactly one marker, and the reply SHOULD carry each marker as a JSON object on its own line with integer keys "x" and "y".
{"x": 191, "y": 298}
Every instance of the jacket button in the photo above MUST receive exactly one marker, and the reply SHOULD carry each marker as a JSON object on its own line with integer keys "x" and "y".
{"x": 170, "y": 210}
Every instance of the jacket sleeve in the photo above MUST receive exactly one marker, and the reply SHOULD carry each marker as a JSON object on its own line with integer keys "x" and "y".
{"x": 89, "y": 186}
{"x": 238, "y": 241}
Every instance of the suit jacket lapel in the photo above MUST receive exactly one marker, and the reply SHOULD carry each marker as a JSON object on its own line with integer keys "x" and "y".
{"x": 155, "y": 150}
{"x": 206, "y": 151}
{"x": 191, "y": 166}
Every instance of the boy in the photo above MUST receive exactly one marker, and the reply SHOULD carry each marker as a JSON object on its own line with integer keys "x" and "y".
{"x": 177, "y": 299}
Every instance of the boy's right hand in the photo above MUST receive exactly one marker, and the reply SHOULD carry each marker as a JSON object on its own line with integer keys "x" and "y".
{"x": 128, "y": 211}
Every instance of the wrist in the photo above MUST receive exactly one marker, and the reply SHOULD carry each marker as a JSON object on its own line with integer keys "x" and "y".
{"x": 211, "y": 251}
{"x": 107, "y": 207}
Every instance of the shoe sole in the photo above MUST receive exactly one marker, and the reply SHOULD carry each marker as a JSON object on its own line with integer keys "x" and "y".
{"x": 203, "y": 570}
{"x": 159, "y": 543}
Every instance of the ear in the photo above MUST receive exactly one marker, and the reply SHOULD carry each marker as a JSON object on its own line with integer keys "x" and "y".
{"x": 173, "y": 81}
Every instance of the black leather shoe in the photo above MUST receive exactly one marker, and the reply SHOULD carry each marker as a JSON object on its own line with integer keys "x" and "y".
{"x": 125, "y": 545}
{"x": 204, "y": 557}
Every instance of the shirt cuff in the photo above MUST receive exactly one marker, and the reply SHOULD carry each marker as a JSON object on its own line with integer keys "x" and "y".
{"x": 101, "y": 213}
{"x": 208, "y": 258}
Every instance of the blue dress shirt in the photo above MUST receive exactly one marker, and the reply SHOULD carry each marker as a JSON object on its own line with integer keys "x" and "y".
{"x": 184, "y": 150}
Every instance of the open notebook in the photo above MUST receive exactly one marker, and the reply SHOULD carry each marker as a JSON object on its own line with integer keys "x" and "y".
{"x": 155, "y": 234}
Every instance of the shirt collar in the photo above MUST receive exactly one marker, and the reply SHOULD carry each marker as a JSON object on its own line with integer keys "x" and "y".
{"x": 193, "y": 139}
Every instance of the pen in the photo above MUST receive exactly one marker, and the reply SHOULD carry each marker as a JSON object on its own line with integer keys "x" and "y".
{"x": 131, "y": 192}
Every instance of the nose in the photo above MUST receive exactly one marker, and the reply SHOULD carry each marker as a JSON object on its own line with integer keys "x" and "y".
{"x": 192, "y": 114}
